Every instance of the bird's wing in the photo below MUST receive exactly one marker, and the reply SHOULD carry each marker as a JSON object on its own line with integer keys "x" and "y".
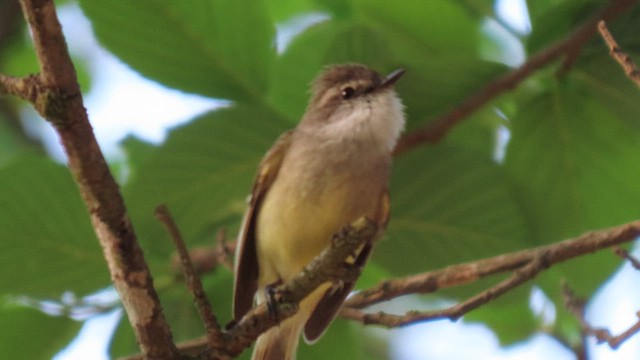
{"x": 328, "y": 306}
{"x": 246, "y": 262}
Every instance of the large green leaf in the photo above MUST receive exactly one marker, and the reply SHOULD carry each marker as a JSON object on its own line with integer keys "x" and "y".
{"x": 437, "y": 43}
{"x": 501, "y": 314}
{"x": 436, "y": 26}
{"x": 553, "y": 20}
{"x": 26, "y": 333}
{"x": 341, "y": 341}
{"x": 329, "y": 42}
{"x": 204, "y": 173}
{"x": 574, "y": 166}
{"x": 48, "y": 245}
{"x": 221, "y": 49}
{"x": 449, "y": 205}
{"x": 284, "y": 10}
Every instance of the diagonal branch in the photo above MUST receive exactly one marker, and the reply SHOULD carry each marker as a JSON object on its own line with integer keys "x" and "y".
{"x": 576, "y": 306}
{"x": 438, "y": 128}
{"x": 208, "y": 317}
{"x": 55, "y": 94}
{"x": 524, "y": 265}
{"x": 330, "y": 266}
{"x": 625, "y": 61}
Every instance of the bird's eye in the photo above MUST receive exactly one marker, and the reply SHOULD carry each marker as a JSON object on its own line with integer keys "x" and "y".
{"x": 347, "y": 93}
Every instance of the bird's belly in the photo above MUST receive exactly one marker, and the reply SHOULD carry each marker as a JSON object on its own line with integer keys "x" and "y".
{"x": 293, "y": 229}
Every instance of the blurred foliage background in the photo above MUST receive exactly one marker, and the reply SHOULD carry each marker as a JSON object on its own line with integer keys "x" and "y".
{"x": 555, "y": 157}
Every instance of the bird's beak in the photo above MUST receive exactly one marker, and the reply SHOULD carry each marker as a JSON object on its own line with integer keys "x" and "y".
{"x": 391, "y": 79}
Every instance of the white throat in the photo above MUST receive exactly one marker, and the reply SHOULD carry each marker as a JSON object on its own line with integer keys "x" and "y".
{"x": 374, "y": 121}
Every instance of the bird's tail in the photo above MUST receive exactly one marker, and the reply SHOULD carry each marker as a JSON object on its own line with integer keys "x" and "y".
{"x": 281, "y": 341}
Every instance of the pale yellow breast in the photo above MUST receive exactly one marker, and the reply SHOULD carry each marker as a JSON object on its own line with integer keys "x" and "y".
{"x": 300, "y": 215}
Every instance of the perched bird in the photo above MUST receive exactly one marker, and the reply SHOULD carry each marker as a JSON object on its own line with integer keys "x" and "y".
{"x": 332, "y": 169}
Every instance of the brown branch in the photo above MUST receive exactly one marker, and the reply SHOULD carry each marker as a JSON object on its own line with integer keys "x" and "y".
{"x": 55, "y": 94}
{"x": 223, "y": 251}
{"x": 524, "y": 265}
{"x": 27, "y": 88}
{"x": 330, "y": 266}
{"x": 576, "y": 306}
{"x": 206, "y": 259}
{"x": 437, "y": 128}
{"x": 625, "y": 255}
{"x": 629, "y": 67}
{"x": 519, "y": 277}
{"x": 212, "y": 327}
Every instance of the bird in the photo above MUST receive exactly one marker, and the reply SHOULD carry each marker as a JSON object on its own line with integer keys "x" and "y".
{"x": 330, "y": 170}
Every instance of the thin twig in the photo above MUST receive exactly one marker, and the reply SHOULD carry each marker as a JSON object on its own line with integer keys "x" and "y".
{"x": 224, "y": 251}
{"x": 629, "y": 67}
{"x": 576, "y": 306}
{"x": 625, "y": 255}
{"x": 457, "y": 275}
{"x": 212, "y": 327}
{"x": 454, "y": 312}
{"x": 26, "y": 88}
{"x": 437, "y": 128}
{"x": 206, "y": 259}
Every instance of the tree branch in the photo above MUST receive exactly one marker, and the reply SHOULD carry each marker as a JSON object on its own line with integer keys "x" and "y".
{"x": 55, "y": 94}
{"x": 437, "y": 128}
{"x": 209, "y": 319}
{"x": 577, "y": 307}
{"x": 629, "y": 67}
{"x": 524, "y": 265}
{"x": 330, "y": 266}
{"x": 27, "y": 88}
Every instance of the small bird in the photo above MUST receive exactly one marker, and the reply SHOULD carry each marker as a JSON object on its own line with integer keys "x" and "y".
{"x": 332, "y": 169}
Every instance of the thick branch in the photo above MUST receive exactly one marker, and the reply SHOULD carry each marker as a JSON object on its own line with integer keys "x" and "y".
{"x": 524, "y": 265}
{"x": 330, "y": 266}
{"x": 440, "y": 126}
{"x": 57, "y": 98}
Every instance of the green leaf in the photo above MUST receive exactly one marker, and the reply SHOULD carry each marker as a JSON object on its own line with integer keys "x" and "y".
{"x": 123, "y": 342}
{"x": 574, "y": 166}
{"x": 48, "y": 245}
{"x": 27, "y": 333}
{"x": 182, "y": 313}
{"x": 341, "y": 341}
{"x": 203, "y": 172}
{"x": 436, "y": 26}
{"x": 138, "y": 151}
{"x": 340, "y": 9}
{"x": 328, "y": 42}
{"x": 553, "y": 20}
{"x": 13, "y": 141}
{"x": 19, "y": 57}
{"x": 480, "y": 133}
{"x": 604, "y": 78}
{"x": 283, "y": 10}
{"x": 499, "y": 315}
{"x": 449, "y": 205}
{"x": 437, "y": 43}
{"x": 221, "y": 49}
